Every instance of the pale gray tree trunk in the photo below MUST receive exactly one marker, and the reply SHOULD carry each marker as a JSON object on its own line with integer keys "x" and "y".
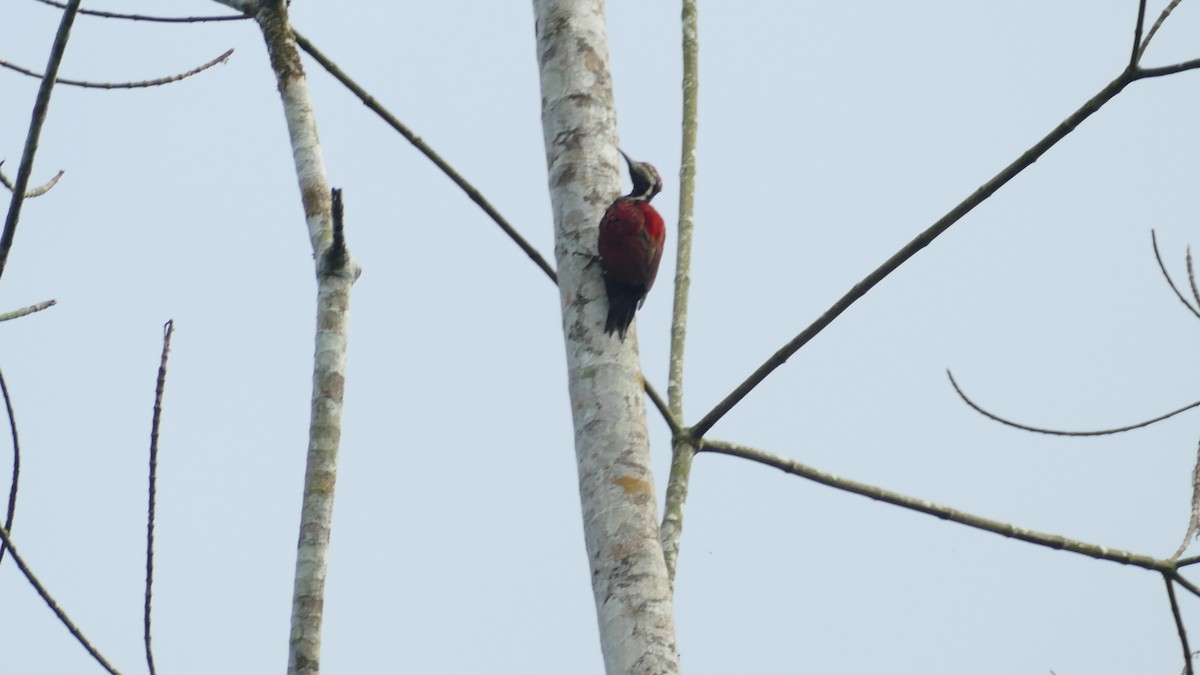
{"x": 620, "y": 521}
{"x": 336, "y": 273}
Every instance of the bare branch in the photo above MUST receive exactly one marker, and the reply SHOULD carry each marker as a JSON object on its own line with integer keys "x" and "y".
{"x": 1183, "y": 638}
{"x": 160, "y": 384}
{"x": 1194, "y": 518}
{"x": 474, "y": 194}
{"x": 16, "y": 469}
{"x": 151, "y": 19}
{"x": 40, "y": 107}
{"x": 1157, "y": 24}
{"x": 663, "y": 409}
{"x": 1187, "y": 585}
{"x": 49, "y": 600}
{"x": 125, "y": 85}
{"x": 1137, "y": 34}
{"x": 1145, "y": 73}
{"x": 1192, "y": 275}
{"x": 944, "y": 512}
{"x": 1053, "y": 432}
{"x": 1167, "y": 276}
{"x": 909, "y": 250}
{"x": 8, "y": 316}
{"x": 35, "y": 192}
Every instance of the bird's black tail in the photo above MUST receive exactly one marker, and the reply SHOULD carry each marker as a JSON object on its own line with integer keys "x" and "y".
{"x": 622, "y": 305}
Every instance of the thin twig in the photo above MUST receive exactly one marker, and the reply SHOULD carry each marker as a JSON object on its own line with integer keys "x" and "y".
{"x": 124, "y": 85}
{"x": 1053, "y": 432}
{"x": 1183, "y": 638}
{"x": 1157, "y": 24}
{"x": 40, "y": 106}
{"x": 1192, "y": 275}
{"x": 663, "y": 409}
{"x": 1167, "y": 276}
{"x": 1187, "y": 585}
{"x": 1137, "y": 34}
{"x": 1194, "y": 517}
{"x": 153, "y": 19}
{"x": 16, "y": 469}
{"x": 49, "y": 600}
{"x": 944, "y": 512}
{"x": 160, "y": 384}
{"x": 909, "y": 250}
{"x": 474, "y": 194}
{"x": 35, "y": 192}
{"x": 16, "y": 314}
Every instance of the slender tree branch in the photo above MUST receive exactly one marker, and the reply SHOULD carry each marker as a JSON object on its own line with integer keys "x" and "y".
{"x": 6, "y": 539}
{"x": 663, "y": 409}
{"x": 944, "y": 512}
{"x": 1137, "y": 34}
{"x": 35, "y": 192}
{"x": 1187, "y": 585}
{"x": 1194, "y": 518}
{"x": 909, "y": 250}
{"x": 1053, "y": 432}
{"x": 124, "y": 85}
{"x": 1191, "y": 271}
{"x": 1167, "y": 276}
{"x": 1162, "y": 71}
{"x": 40, "y": 107}
{"x": 474, "y": 194}
{"x": 160, "y": 384}
{"x": 683, "y": 447}
{"x": 16, "y": 468}
{"x": 151, "y": 19}
{"x": 24, "y": 311}
{"x": 1157, "y": 24}
{"x": 1183, "y": 638}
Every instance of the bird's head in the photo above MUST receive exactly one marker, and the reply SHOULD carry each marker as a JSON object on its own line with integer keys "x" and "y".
{"x": 646, "y": 181}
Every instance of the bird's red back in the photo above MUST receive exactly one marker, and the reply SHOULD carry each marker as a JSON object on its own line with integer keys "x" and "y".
{"x": 632, "y": 235}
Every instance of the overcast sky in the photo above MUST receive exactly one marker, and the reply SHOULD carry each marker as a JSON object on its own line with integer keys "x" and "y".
{"x": 830, "y": 135}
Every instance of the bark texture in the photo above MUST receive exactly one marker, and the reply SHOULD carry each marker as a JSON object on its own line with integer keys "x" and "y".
{"x": 336, "y": 272}
{"x": 620, "y": 521}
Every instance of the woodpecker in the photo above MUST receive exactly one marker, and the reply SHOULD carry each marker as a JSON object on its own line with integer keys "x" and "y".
{"x": 631, "y": 246}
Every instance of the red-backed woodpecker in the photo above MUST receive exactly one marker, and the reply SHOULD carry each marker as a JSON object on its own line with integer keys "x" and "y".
{"x": 631, "y": 246}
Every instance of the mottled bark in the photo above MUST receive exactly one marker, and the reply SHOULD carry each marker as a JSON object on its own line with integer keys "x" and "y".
{"x": 629, "y": 575}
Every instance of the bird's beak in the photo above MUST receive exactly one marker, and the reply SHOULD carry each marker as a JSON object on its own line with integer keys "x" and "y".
{"x": 627, "y": 160}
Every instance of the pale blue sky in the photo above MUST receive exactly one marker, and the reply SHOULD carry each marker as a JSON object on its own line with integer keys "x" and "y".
{"x": 830, "y": 135}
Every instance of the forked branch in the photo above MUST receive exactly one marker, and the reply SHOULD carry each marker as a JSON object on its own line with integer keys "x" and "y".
{"x": 1131, "y": 74}
{"x": 41, "y": 106}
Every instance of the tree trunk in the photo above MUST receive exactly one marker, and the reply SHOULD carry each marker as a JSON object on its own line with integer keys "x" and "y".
{"x": 629, "y": 575}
